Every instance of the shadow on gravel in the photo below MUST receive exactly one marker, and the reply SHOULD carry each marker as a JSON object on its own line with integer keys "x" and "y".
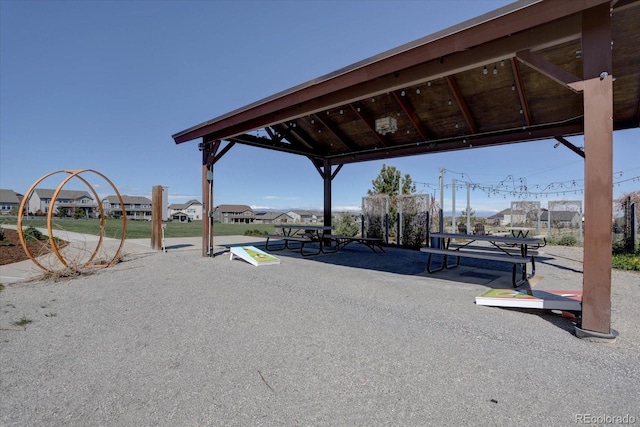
{"x": 411, "y": 262}
{"x": 566, "y": 321}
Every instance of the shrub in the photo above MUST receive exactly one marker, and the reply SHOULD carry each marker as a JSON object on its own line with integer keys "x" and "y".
{"x": 567, "y": 240}
{"x": 256, "y": 233}
{"x": 32, "y": 234}
{"x": 626, "y": 262}
{"x": 1, "y": 234}
{"x": 346, "y": 225}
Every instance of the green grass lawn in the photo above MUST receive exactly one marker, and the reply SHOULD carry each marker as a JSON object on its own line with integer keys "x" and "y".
{"x": 140, "y": 229}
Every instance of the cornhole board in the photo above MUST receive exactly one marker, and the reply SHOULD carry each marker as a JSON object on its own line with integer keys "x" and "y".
{"x": 253, "y": 255}
{"x": 547, "y": 300}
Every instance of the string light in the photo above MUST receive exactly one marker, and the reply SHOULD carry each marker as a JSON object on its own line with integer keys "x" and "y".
{"x": 518, "y": 188}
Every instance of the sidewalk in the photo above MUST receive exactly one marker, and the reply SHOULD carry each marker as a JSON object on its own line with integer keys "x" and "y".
{"x": 86, "y": 244}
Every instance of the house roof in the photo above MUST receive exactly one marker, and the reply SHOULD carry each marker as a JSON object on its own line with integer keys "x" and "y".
{"x": 270, "y": 215}
{"x": 128, "y": 200}
{"x": 184, "y": 205}
{"x": 45, "y": 193}
{"x": 512, "y": 75}
{"x": 234, "y": 208}
{"x": 302, "y": 213}
{"x": 8, "y": 196}
{"x": 500, "y": 214}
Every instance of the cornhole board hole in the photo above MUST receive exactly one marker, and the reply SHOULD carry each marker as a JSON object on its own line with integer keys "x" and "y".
{"x": 253, "y": 255}
{"x": 546, "y": 300}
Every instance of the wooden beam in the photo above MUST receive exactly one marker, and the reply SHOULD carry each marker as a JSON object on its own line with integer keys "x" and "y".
{"x": 466, "y": 113}
{"x": 209, "y": 150}
{"x": 570, "y": 146}
{"x": 524, "y": 103}
{"x": 223, "y": 152}
{"x": 336, "y": 92}
{"x": 452, "y": 144}
{"x": 371, "y": 124}
{"x": 295, "y": 134}
{"x": 335, "y": 132}
{"x": 327, "y": 192}
{"x": 257, "y": 141}
{"x": 551, "y": 70}
{"x": 598, "y": 171}
{"x": 411, "y": 114}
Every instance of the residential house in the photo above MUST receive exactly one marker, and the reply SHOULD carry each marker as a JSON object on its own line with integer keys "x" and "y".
{"x": 9, "y": 202}
{"x": 233, "y": 214}
{"x": 272, "y": 218}
{"x": 67, "y": 200}
{"x": 501, "y": 218}
{"x": 186, "y": 212}
{"x": 303, "y": 217}
{"x": 136, "y": 207}
{"x": 561, "y": 219}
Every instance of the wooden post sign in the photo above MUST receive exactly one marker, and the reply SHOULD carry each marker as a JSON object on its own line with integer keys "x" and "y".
{"x": 158, "y": 213}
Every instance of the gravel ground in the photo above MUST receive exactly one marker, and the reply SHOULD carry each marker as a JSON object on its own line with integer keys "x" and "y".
{"x": 354, "y": 338}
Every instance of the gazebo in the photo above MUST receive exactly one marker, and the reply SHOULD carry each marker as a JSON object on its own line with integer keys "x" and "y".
{"x": 532, "y": 70}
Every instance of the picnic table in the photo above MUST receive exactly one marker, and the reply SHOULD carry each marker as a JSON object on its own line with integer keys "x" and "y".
{"x": 514, "y": 250}
{"x": 520, "y": 231}
{"x": 296, "y": 236}
{"x": 300, "y": 235}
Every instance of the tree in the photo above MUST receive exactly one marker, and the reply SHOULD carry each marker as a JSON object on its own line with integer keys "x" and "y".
{"x": 463, "y": 216}
{"x": 388, "y": 182}
{"x": 346, "y": 225}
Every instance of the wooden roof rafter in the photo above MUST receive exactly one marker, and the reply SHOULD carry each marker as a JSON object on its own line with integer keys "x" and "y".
{"x": 262, "y": 142}
{"x": 411, "y": 114}
{"x": 366, "y": 119}
{"x": 464, "y": 108}
{"x": 424, "y": 64}
{"x": 542, "y": 35}
{"x": 335, "y": 131}
{"x": 519, "y": 87}
{"x": 290, "y": 132}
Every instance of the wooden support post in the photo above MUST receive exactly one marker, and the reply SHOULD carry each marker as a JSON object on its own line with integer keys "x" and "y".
{"x": 206, "y": 204}
{"x": 156, "y": 217}
{"x": 209, "y": 149}
{"x": 327, "y": 176}
{"x": 598, "y": 136}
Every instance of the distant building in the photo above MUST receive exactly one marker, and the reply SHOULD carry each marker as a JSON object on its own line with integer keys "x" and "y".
{"x": 68, "y": 200}
{"x": 233, "y": 214}
{"x": 303, "y": 217}
{"x": 9, "y": 202}
{"x": 186, "y": 212}
{"x": 136, "y": 207}
{"x": 561, "y": 219}
{"x": 501, "y": 218}
{"x": 272, "y": 218}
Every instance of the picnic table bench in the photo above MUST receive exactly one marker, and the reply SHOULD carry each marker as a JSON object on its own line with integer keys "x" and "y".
{"x": 342, "y": 241}
{"x": 520, "y": 256}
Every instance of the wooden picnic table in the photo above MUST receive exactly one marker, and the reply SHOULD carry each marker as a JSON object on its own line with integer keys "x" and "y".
{"x": 300, "y": 234}
{"x": 515, "y": 250}
{"x": 520, "y": 231}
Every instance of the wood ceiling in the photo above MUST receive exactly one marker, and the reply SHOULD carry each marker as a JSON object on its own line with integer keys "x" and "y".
{"x": 509, "y": 76}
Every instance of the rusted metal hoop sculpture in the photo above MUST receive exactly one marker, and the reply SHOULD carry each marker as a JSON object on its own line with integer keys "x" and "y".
{"x": 52, "y": 241}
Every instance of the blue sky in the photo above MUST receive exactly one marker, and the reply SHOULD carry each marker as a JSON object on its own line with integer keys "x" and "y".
{"x": 104, "y": 84}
